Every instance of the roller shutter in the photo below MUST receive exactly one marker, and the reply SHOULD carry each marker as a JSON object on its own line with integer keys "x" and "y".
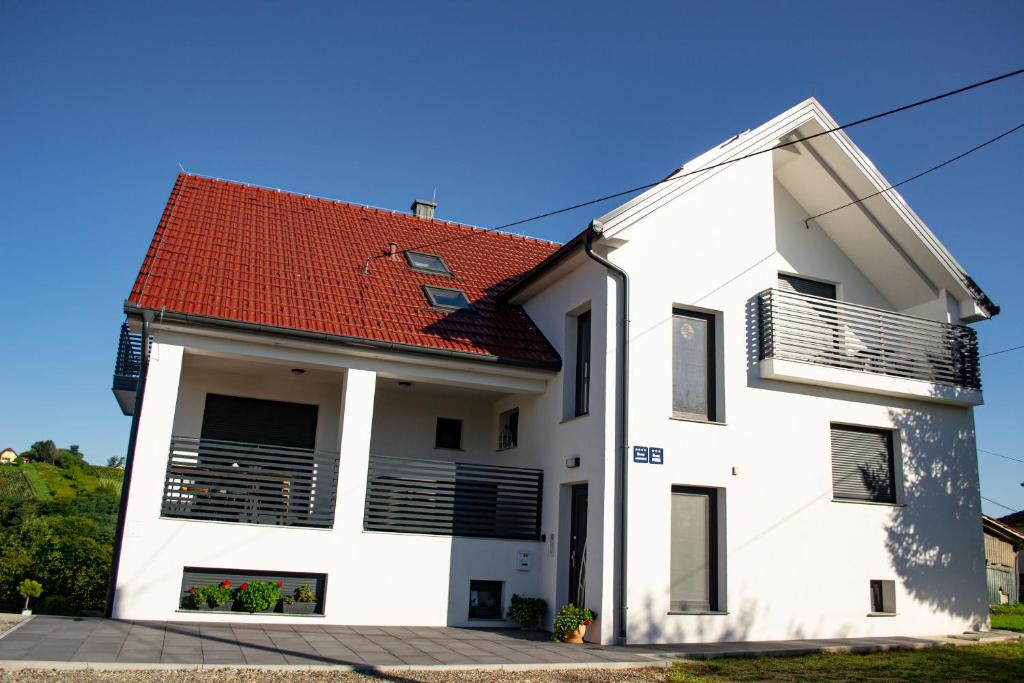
{"x": 862, "y": 464}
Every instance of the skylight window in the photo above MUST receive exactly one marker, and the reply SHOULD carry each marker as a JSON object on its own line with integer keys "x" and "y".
{"x": 427, "y": 263}
{"x": 446, "y": 298}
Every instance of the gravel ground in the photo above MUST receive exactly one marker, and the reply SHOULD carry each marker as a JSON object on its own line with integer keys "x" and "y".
{"x": 267, "y": 676}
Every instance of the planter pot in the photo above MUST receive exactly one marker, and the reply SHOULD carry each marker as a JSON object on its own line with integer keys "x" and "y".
{"x": 528, "y": 625}
{"x": 576, "y": 637}
{"x": 298, "y": 608}
{"x": 201, "y": 606}
{"x": 226, "y": 606}
{"x": 26, "y": 612}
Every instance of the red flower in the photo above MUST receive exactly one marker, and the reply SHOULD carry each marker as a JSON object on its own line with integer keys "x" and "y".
{"x": 244, "y": 586}
{"x": 586, "y": 622}
{"x": 279, "y": 584}
{"x": 225, "y": 584}
{"x": 192, "y": 590}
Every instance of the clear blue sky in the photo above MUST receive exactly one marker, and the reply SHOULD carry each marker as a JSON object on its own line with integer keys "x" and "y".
{"x": 508, "y": 109}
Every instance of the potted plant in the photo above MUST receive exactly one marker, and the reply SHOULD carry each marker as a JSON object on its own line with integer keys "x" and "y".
{"x": 527, "y": 612}
{"x": 29, "y": 589}
{"x": 199, "y": 597}
{"x": 571, "y": 624}
{"x": 258, "y": 596}
{"x": 219, "y": 596}
{"x": 303, "y": 601}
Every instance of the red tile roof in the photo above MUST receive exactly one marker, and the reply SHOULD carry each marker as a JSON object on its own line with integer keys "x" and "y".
{"x": 234, "y": 252}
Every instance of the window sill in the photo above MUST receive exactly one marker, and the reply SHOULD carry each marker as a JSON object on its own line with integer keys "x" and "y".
{"x": 713, "y": 613}
{"x": 505, "y": 450}
{"x": 868, "y": 502}
{"x": 236, "y": 613}
{"x": 573, "y": 418}
{"x": 681, "y": 418}
{"x": 883, "y": 614}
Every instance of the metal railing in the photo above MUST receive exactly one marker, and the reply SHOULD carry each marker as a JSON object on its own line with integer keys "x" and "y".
{"x": 812, "y": 329}
{"x": 228, "y": 481}
{"x": 128, "y": 363}
{"x": 444, "y": 498}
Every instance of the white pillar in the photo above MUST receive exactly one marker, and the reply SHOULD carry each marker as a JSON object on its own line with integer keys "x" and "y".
{"x": 356, "y": 424}
{"x": 152, "y": 446}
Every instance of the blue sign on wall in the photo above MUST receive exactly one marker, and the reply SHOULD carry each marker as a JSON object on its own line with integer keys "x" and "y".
{"x": 649, "y": 455}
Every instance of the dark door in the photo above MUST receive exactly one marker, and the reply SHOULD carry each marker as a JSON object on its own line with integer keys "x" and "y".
{"x": 578, "y": 546}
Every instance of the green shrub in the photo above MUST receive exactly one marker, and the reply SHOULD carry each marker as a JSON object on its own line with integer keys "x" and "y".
{"x": 527, "y": 612}
{"x": 305, "y": 593}
{"x": 258, "y": 596}
{"x": 569, "y": 621}
{"x": 1016, "y": 608}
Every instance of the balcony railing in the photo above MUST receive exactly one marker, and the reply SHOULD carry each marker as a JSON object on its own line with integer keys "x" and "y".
{"x": 127, "y": 366}
{"x": 227, "y": 481}
{"x": 811, "y": 329}
{"x": 453, "y": 498}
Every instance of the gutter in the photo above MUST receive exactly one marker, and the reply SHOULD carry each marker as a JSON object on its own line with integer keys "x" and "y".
{"x": 131, "y": 308}
{"x": 595, "y": 230}
{"x": 129, "y": 461}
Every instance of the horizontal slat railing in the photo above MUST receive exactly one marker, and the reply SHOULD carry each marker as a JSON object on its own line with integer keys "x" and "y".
{"x": 813, "y": 329}
{"x": 229, "y": 481}
{"x": 452, "y": 498}
{"x": 128, "y": 363}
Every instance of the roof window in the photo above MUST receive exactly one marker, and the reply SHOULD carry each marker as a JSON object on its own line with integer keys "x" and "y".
{"x": 427, "y": 263}
{"x": 446, "y": 298}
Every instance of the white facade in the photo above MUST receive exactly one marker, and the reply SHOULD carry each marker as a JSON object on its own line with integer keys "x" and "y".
{"x": 792, "y": 562}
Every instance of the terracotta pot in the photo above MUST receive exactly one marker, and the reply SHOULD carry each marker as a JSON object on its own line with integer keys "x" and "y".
{"x": 576, "y": 637}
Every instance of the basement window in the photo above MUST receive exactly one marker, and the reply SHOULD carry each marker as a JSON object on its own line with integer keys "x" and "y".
{"x": 427, "y": 263}
{"x": 485, "y": 599}
{"x": 883, "y": 597}
{"x": 446, "y": 298}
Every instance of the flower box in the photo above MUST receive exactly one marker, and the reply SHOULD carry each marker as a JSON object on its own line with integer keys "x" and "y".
{"x": 298, "y": 608}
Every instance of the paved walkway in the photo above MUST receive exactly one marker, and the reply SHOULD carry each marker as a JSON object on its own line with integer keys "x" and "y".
{"x": 102, "y": 643}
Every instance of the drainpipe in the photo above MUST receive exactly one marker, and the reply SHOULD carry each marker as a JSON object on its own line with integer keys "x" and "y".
{"x": 595, "y": 230}
{"x": 133, "y": 435}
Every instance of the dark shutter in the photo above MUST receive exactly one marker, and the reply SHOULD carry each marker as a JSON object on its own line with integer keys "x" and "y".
{"x": 582, "y": 403}
{"x": 862, "y": 464}
{"x": 792, "y": 283}
{"x": 253, "y": 420}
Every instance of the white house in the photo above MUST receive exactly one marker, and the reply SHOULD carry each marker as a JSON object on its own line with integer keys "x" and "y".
{"x": 420, "y": 418}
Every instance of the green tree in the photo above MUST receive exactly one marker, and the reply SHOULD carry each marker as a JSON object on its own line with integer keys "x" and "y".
{"x": 43, "y": 451}
{"x": 115, "y": 461}
{"x": 29, "y": 589}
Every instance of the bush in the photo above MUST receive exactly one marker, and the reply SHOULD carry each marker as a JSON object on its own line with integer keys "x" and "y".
{"x": 305, "y": 594}
{"x": 569, "y": 621}
{"x": 258, "y": 596}
{"x": 527, "y": 612}
{"x": 1016, "y": 608}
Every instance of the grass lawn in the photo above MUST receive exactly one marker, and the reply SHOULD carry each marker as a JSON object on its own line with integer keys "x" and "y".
{"x": 997, "y": 662}
{"x": 1010, "y": 622}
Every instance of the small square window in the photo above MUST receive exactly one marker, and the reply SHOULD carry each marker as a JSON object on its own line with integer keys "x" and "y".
{"x": 448, "y": 434}
{"x": 508, "y": 429}
{"x": 485, "y": 600}
{"x": 445, "y": 297}
{"x": 427, "y": 263}
{"x": 883, "y": 596}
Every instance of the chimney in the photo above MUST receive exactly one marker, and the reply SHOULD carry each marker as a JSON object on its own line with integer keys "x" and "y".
{"x": 422, "y": 208}
{"x": 392, "y": 250}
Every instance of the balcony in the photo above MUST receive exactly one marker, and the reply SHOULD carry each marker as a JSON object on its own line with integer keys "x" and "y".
{"x": 127, "y": 366}
{"x": 821, "y": 341}
{"x": 227, "y": 481}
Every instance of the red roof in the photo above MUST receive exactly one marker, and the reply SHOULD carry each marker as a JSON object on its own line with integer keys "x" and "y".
{"x": 234, "y": 252}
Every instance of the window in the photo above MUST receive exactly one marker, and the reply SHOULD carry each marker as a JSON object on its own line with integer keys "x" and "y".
{"x": 448, "y": 434}
{"x": 193, "y": 577}
{"x": 801, "y": 285}
{"x": 581, "y": 405}
{"x": 446, "y": 298}
{"x": 694, "y": 369}
{"x": 863, "y": 464}
{"x": 427, "y": 263}
{"x": 485, "y": 600}
{"x": 883, "y": 597}
{"x": 508, "y": 429}
{"x": 694, "y": 555}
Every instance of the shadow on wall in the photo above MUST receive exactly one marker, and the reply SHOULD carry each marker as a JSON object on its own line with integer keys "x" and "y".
{"x": 935, "y": 541}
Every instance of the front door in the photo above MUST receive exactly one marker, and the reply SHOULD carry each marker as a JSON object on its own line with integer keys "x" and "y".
{"x": 578, "y": 546}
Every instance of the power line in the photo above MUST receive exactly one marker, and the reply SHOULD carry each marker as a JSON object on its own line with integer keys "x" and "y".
{"x": 919, "y": 175}
{"x": 996, "y": 353}
{"x": 1000, "y": 455}
{"x": 674, "y": 177}
{"x": 1007, "y": 507}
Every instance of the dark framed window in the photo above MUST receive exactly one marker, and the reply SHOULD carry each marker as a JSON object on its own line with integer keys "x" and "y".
{"x": 485, "y": 600}
{"x": 863, "y": 464}
{"x": 694, "y": 365}
{"x": 802, "y": 285}
{"x": 581, "y": 404}
{"x": 883, "y": 596}
{"x": 448, "y": 433}
{"x": 427, "y": 263}
{"x": 694, "y": 554}
{"x": 446, "y": 298}
{"x": 508, "y": 429}
{"x": 254, "y": 420}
